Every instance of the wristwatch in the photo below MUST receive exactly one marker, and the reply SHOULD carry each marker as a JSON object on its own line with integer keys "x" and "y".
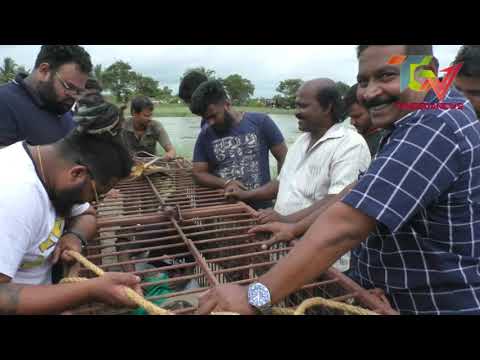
{"x": 259, "y": 298}
{"x": 78, "y": 235}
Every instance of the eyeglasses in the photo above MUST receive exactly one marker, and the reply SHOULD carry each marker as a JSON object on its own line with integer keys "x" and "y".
{"x": 70, "y": 88}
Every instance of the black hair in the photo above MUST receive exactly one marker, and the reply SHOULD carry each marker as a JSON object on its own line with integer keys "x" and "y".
{"x": 409, "y": 49}
{"x": 189, "y": 84}
{"x": 350, "y": 98}
{"x": 469, "y": 55}
{"x": 105, "y": 158}
{"x": 208, "y": 93}
{"x": 58, "y": 55}
{"x": 141, "y": 103}
{"x": 331, "y": 96}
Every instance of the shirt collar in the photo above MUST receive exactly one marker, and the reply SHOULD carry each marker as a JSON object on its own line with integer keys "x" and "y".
{"x": 128, "y": 126}
{"x": 334, "y": 132}
{"x": 20, "y": 81}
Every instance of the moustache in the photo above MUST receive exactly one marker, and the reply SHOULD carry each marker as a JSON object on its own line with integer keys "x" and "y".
{"x": 378, "y": 101}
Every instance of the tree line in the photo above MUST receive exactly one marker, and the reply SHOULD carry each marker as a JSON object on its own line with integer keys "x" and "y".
{"x": 124, "y": 83}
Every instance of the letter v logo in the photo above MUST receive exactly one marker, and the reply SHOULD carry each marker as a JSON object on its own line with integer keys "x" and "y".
{"x": 441, "y": 87}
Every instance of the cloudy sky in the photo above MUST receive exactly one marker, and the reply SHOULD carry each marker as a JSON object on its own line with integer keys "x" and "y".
{"x": 264, "y": 65}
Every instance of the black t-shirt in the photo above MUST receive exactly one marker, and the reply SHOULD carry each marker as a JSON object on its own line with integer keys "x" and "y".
{"x": 22, "y": 117}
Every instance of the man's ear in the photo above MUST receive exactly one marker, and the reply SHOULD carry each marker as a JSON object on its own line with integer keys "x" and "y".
{"x": 44, "y": 70}
{"x": 77, "y": 174}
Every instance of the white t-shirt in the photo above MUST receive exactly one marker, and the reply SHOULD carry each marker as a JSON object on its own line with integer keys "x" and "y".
{"x": 29, "y": 227}
{"x": 329, "y": 166}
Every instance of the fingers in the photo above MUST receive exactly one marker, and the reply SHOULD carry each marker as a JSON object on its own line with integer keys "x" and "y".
{"x": 273, "y": 240}
{"x": 56, "y": 254}
{"x": 206, "y": 303}
{"x": 260, "y": 228}
{"x": 266, "y": 219}
{"x": 124, "y": 279}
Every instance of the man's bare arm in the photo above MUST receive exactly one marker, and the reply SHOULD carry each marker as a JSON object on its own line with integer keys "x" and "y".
{"x": 279, "y": 152}
{"x": 203, "y": 177}
{"x": 55, "y": 299}
{"x": 339, "y": 229}
{"x": 320, "y": 206}
{"x": 85, "y": 223}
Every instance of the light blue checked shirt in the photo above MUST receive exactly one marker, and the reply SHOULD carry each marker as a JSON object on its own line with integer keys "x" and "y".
{"x": 423, "y": 188}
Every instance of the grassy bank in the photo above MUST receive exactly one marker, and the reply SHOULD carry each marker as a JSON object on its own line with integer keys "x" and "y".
{"x": 172, "y": 110}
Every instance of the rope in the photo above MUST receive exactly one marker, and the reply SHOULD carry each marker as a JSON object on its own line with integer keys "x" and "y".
{"x": 150, "y": 307}
{"x": 153, "y": 309}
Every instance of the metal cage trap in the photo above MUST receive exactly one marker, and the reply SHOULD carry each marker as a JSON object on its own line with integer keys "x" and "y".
{"x": 206, "y": 245}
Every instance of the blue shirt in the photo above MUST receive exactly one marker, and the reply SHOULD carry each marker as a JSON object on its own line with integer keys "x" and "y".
{"x": 423, "y": 188}
{"x": 22, "y": 117}
{"x": 241, "y": 153}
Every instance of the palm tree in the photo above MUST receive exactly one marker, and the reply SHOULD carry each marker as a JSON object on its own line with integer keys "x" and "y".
{"x": 8, "y": 70}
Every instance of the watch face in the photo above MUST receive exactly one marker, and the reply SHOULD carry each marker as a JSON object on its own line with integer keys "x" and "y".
{"x": 258, "y": 295}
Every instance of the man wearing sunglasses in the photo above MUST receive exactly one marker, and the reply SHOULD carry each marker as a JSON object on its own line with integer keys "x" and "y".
{"x": 44, "y": 210}
{"x": 36, "y": 108}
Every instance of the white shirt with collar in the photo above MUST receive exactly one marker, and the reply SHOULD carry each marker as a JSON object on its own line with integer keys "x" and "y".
{"x": 330, "y": 165}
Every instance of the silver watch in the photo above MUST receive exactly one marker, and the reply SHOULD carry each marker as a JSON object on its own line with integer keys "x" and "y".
{"x": 259, "y": 298}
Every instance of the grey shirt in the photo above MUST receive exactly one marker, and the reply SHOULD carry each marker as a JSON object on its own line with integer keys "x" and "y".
{"x": 154, "y": 133}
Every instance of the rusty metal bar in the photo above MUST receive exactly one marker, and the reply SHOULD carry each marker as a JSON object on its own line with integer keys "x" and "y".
{"x": 198, "y": 257}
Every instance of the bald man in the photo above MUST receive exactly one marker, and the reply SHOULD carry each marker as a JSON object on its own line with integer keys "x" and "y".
{"x": 321, "y": 162}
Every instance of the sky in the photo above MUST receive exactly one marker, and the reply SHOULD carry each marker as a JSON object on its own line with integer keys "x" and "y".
{"x": 264, "y": 65}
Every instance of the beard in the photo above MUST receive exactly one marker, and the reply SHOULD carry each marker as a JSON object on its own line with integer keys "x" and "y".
{"x": 49, "y": 97}
{"x": 64, "y": 200}
{"x": 228, "y": 121}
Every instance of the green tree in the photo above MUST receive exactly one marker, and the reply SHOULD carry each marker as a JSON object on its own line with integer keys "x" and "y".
{"x": 288, "y": 88}
{"x": 165, "y": 95}
{"x": 8, "y": 70}
{"x": 239, "y": 89}
{"x": 121, "y": 80}
{"x": 342, "y": 88}
{"x": 145, "y": 85}
{"x": 210, "y": 74}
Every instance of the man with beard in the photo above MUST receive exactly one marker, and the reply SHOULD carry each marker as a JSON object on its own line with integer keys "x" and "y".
{"x": 412, "y": 217}
{"x": 232, "y": 152}
{"x": 190, "y": 82}
{"x": 360, "y": 118}
{"x": 468, "y": 78}
{"x": 36, "y": 108}
{"x": 40, "y": 188}
{"x": 142, "y": 133}
{"x": 320, "y": 164}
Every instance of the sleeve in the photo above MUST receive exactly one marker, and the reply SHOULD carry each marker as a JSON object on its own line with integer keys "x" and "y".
{"x": 19, "y": 216}
{"x": 410, "y": 173}
{"x": 8, "y": 126}
{"x": 350, "y": 159}
{"x": 200, "y": 151}
{"x": 162, "y": 135}
{"x": 271, "y": 132}
{"x": 80, "y": 209}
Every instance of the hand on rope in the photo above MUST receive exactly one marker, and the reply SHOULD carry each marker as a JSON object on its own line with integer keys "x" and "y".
{"x": 213, "y": 302}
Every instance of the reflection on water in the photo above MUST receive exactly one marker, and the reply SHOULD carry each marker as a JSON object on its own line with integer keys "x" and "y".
{"x": 183, "y": 132}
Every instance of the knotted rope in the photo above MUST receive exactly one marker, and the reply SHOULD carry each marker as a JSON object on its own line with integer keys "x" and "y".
{"x": 153, "y": 309}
